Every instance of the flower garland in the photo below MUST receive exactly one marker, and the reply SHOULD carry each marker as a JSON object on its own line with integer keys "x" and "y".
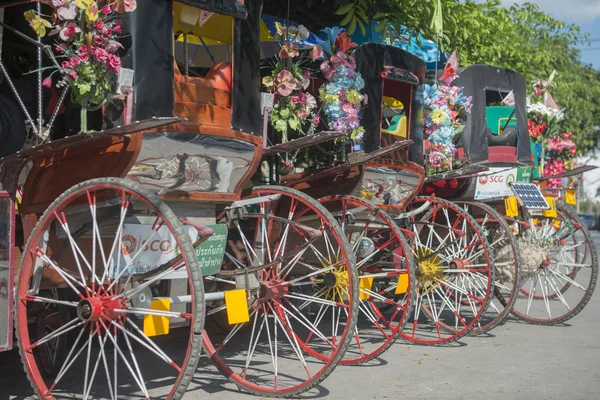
{"x": 556, "y": 151}
{"x": 87, "y": 32}
{"x": 293, "y": 108}
{"x": 341, "y": 94}
{"x": 446, "y": 110}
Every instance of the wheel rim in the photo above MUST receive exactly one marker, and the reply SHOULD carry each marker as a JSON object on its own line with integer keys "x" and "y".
{"x": 454, "y": 273}
{"x": 560, "y": 269}
{"x": 382, "y": 256}
{"x": 504, "y": 247}
{"x": 288, "y": 346}
{"x": 102, "y": 305}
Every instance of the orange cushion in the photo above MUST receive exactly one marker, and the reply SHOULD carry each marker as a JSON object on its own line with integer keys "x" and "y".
{"x": 220, "y": 76}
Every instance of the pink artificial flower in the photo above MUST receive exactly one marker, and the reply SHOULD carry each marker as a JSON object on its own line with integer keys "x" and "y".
{"x": 285, "y": 83}
{"x": 114, "y": 63}
{"x": 99, "y": 25}
{"x": 65, "y": 64}
{"x": 316, "y": 121}
{"x": 68, "y": 33}
{"x": 295, "y": 99}
{"x": 310, "y": 101}
{"x": 98, "y": 40}
{"x": 73, "y": 75}
{"x": 366, "y": 99}
{"x": 302, "y": 114}
{"x": 67, "y": 12}
{"x": 130, "y": 5}
{"x": 107, "y": 33}
{"x": 117, "y": 28}
{"x": 112, "y": 46}
{"x": 74, "y": 61}
{"x": 289, "y": 50}
{"x": 47, "y": 83}
{"x": 100, "y": 54}
{"x": 106, "y": 10}
{"x": 567, "y": 135}
{"x": 60, "y": 49}
{"x": 58, "y": 3}
{"x": 316, "y": 52}
{"x": 83, "y": 57}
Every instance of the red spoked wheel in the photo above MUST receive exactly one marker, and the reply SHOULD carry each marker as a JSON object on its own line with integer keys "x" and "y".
{"x": 505, "y": 249}
{"x": 455, "y": 272}
{"x": 385, "y": 272}
{"x": 560, "y": 268}
{"x": 300, "y": 277}
{"x": 95, "y": 245}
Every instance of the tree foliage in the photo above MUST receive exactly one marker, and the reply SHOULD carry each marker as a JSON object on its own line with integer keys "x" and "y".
{"x": 521, "y": 37}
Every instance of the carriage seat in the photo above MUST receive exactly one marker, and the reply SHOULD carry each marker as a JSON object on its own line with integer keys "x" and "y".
{"x": 205, "y": 100}
{"x": 218, "y": 77}
{"x": 398, "y": 126}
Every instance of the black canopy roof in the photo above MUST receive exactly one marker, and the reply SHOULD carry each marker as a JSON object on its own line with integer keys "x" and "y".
{"x": 373, "y": 59}
{"x": 476, "y": 81}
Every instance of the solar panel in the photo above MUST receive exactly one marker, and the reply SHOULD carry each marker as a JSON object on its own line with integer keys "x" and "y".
{"x": 530, "y": 196}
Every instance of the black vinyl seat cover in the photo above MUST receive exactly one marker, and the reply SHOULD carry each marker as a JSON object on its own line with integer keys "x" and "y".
{"x": 507, "y": 138}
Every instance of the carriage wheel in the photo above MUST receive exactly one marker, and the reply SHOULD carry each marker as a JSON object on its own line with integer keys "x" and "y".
{"x": 302, "y": 294}
{"x": 92, "y": 245}
{"x": 455, "y": 272}
{"x": 560, "y": 269}
{"x": 385, "y": 272}
{"x": 506, "y": 260}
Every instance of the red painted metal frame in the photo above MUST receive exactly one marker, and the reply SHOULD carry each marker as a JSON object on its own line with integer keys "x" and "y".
{"x": 11, "y": 274}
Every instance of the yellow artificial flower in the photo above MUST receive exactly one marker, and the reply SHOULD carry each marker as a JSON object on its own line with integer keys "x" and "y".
{"x": 38, "y": 24}
{"x": 438, "y": 117}
{"x": 85, "y": 4}
{"x": 267, "y": 81}
{"x": 354, "y": 97}
{"x": 91, "y": 14}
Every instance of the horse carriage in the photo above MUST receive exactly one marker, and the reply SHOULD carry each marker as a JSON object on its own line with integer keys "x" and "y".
{"x": 136, "y": 245}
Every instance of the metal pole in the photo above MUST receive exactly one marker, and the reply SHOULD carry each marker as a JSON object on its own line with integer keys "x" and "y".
{"x": 39, "y": 75}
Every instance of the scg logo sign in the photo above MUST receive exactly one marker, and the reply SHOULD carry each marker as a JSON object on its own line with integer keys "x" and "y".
{"x": 130, "y": 245}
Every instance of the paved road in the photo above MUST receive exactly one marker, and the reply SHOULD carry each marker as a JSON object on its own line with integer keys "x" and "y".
{"x": 516, "y": 361}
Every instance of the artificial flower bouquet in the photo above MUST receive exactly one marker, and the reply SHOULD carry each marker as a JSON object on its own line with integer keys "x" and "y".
{"x": 294, "y": 108}
{"x": 87, "y": 33}
{"x": 341, "y": 94}
{"x": 445, "y": 113}
{"x": 555, "y": 150}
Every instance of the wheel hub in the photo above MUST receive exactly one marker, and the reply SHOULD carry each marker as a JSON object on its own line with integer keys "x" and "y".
{"x": 94, "y": 307}
{"x": 428, "y": 271}
{"x": 337, "y": 283}
{"x": 272, "y": 289}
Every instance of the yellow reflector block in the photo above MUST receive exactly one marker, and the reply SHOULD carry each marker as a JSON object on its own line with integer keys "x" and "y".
{"x": 511, "y": 206}
{"x": 402, "y": 284}
{"x": 365, "y": 284}
{"x": 557, "y": 224}
{"x": 570, "y": 197}
{"x": 551, "y": 213}
{"x": 237, "y": 306}
{"x": 155, "y": 325}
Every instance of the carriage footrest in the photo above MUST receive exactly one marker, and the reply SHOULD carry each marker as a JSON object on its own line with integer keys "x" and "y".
{"x": 302, "y": 142}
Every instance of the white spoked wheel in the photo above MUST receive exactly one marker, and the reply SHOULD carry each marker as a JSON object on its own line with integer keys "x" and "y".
{"x": 505, "y": 249}
{"x": 385, "y": 272}
{"x": 560, "y": 268}
{"x": 455, "y": 272}
{"x": 87, "y": 287}
{"x": 296, "y": 266}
